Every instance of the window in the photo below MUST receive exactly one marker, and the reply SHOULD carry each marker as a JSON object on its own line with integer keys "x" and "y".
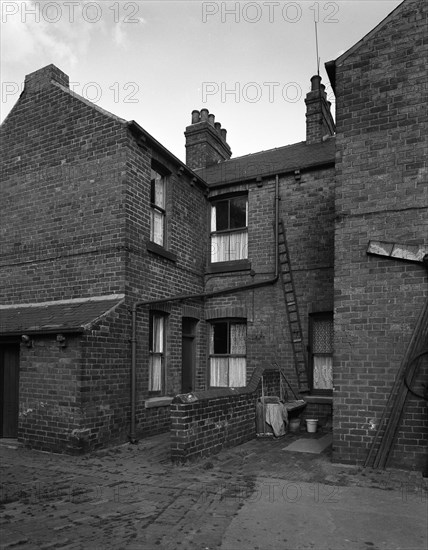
{"x": 229, "y": 231}
{"x": 228, "y": 348}
{"x": 157, "y": 353}
{"x": 322, "y": 352}
{"x": 157, "y": 198}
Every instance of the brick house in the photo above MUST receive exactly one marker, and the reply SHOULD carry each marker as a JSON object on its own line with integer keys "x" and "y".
{"x": 129, "y": 277}
{"x": 382, "y": 196}
{"x": 100, "y": 217}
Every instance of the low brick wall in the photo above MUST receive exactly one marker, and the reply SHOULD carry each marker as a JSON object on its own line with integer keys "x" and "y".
{"x": 218, "y": 418}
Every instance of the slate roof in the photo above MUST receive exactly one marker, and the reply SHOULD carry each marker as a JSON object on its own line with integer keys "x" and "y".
{"x": 61, "y": 316}
{"x": 297, "y": 156}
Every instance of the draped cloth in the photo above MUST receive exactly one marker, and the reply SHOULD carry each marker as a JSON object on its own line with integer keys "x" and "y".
{"x": 276, "y": 416}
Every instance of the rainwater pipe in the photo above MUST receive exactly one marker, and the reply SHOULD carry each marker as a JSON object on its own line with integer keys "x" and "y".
{"x": 178, "y": 298}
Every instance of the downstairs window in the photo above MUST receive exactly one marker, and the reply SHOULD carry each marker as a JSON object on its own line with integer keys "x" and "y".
{"x": 228, "y": 349}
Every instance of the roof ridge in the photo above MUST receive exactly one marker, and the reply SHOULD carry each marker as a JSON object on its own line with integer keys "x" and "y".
{"x": 263, "y": 151}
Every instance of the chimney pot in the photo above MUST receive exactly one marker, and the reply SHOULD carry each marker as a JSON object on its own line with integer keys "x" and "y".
{"x": 211, "y": 119}
{"x": 223, "y": 133}
{"x": 315, "y": 81}
{"x": 218, "y": 127}
{"x": 204, "y": 115}
{"x": 195, "y": 116}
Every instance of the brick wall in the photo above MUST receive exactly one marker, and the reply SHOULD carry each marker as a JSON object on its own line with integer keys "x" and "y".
{"x": 76, "y": 220}
{"x": 62, "y": 218}
{"x": 381, "y": 195}
{"x": 152, "y": 275}
{"x": 306, "y": 207}
{"x": 219, "y": 418}
{"x": 49, "y": 408}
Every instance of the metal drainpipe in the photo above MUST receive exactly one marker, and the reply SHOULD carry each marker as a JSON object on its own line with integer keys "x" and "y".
{"x": 178, "y": 298}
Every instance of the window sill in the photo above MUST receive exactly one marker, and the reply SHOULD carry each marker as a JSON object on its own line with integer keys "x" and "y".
{"x": 153, "y": 402}
{"x": 321, "y": 399}
{"x": 223, "y": 267}
{"x": 161, "y": 251}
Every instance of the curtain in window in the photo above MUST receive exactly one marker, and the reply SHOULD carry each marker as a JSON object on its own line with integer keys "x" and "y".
{"x": 155, "y": 373}
{"x": 157, "y": 227}
{"x": 220, "y": 248}
{"x": 160, "y": 191}
{"x": 213, "y": 218}
{"x": 226, "y": 247}
{"x": 238, "y": 245}
{"x": 219, "y": 371}
{"x": 238, "y": 337}
{"x": 158, "y": 333}
{"x": 237, "y": 372}
{"x": 323, "y": 373}
{"x": 155, "y": 367}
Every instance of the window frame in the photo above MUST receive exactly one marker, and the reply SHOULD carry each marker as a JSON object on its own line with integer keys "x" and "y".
{"x": 153, "y": 314}
{"x": 229, "y": 231}
{"x": 228, "y": 355}
{"x": 157, "y": 208}
{"x": 313, "y": 318}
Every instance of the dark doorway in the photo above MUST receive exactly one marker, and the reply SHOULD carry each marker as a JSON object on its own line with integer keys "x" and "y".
{"x": 188, "y": 354}
{"x": 9, "y": 393}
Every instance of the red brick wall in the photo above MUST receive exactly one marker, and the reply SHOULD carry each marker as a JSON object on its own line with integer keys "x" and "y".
{"x": 381, "y": 195}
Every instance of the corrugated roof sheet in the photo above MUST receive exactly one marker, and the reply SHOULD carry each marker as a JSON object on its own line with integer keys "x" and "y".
{"x": 61, "y": 316}
{"x": 274, "y": 161}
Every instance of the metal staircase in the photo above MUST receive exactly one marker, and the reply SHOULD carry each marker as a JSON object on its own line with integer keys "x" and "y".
{"x": 296, "y": 334}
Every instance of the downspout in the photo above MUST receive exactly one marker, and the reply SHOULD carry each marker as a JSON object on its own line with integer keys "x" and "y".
{"x": 178, "y": 298}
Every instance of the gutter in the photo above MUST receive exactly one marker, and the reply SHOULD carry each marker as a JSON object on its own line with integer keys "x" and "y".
{"x": 180, "y": 297}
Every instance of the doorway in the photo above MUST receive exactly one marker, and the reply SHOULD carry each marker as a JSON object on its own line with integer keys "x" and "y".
{"x": 188, "y": 354}
{"x": 9, "y": 392}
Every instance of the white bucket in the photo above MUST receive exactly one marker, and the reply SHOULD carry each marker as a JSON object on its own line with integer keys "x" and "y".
{"x": 311, "y": 425}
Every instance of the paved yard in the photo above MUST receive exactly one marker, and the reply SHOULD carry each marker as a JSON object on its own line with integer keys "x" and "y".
{"x": 256, "y": 496}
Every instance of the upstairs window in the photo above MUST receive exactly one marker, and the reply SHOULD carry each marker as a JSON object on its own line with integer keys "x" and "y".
{"x": 228, "y": 349}
{"x": 157, "y": 199}
{"x": 322, "y": 352}
{"x": 229, "y": 230}
{"x": 157, "y": 353}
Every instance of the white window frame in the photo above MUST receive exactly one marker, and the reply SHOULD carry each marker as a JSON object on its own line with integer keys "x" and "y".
{"x": 158, "y": 185}
{"x": 228, "y": 369}
{"x": 157, "y": 345}
{"x": 229, "y": 244}
{"x": 321, "y": 358}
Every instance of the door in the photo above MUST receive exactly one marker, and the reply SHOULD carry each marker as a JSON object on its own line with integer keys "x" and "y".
{"x": 188, "y": 355}
{"x": 9, "y": 392}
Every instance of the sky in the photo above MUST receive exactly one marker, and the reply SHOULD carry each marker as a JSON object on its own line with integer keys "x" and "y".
{"x": 154, "y": 62}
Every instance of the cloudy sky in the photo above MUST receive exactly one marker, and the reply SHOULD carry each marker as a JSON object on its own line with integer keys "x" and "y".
{"x": 249, "y": 63}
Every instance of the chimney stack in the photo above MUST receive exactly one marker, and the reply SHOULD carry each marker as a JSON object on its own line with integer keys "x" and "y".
{"x": 43, "y": 78}
{"x": 319, "y": 120}
{"x": 205, "y": 141}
